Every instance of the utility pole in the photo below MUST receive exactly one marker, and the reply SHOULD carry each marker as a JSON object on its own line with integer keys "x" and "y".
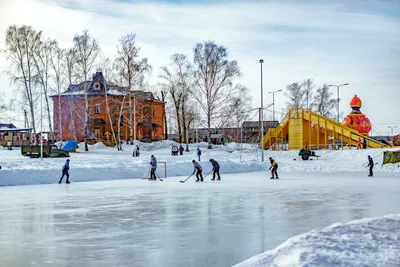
{"x": 262, "y": 109}
{"x": 390, "y": 127}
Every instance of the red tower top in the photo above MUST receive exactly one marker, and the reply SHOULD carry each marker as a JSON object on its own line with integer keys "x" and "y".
{"x": 355, "y": 102}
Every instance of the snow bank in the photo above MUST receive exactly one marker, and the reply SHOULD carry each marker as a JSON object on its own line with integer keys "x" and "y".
{"x": 106, "y": 163}
{"x": 366, "y": 242}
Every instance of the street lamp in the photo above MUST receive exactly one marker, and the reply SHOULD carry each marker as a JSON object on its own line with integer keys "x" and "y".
{"x": 337, "y": 86}
{"x": 394, "y": 127}
{"x": 262, "y": 117}
{"x": 273, "y": 104}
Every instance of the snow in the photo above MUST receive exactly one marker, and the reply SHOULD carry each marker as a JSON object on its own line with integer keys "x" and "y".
{"x": 365, "y": 242}
{"x": 138, "y": 222}
{"x": 106, "y": 163}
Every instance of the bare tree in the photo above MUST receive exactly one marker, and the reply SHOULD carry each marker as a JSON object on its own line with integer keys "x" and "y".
{"x": 132, "y": 70}
{"x": 176, "y": 80}
{"x": 214, "y": 76}
{"x": 42, "y": 57}
{"x": 58, "y": 67}
{"x": 3, "y": 107}
{"x": 87, "y": 50}
{"x": 295, "y": 95}
{"x": 21, "y": 42}
{"x": 70, "y": 65}
{"x": 308, "y": 86}
{"x": 161, "y": 93}
{"x": 240, "y": 108}
{"x": 324, "y": 101}
{"x": 107, "y": 68}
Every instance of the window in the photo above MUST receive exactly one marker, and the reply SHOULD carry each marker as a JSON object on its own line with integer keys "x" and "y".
{"x": 97, "y": 108}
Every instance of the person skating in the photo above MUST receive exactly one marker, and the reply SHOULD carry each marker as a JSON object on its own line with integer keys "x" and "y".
{"x": 274, "y": 167}
{"x": 215, "y": 165}
{"x": 198, "y": 170}
{"x": 198, "y": 153}
{"x": 153, "y": 164}
{"x": 181, "y": 149}
{"x": 371, "y": 166}
{"x": 65, "y": 170}
{"x": 365, "y": 143}
{"x": 359, "y": 143}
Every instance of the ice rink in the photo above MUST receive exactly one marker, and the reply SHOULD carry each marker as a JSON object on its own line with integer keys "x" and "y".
{"x": 153, "y": 223}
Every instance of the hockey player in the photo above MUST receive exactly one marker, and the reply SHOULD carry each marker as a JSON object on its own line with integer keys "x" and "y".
{"x": 371, "y": 166}
{"x": 65, "y": 170}
{"x": 153, "y": 164}
{"x": 274, "y": 167}
{"x": 215, "y": 165}
{"x": 198, "y": 170}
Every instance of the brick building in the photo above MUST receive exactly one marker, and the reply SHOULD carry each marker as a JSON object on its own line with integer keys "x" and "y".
{"x": 104, "y": 112}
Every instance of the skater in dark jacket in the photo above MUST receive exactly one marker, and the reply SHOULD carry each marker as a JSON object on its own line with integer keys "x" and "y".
{"x": 65, "y": 170}
{"x": 181, "y": 149}
{"x": 198, "y": 153}
{"x": 364, "y": 144}
{"x": 274, "y": 167}
{"x": 153, "y": 164}
{"x": 371, "y": 166}
{"x": 198, "y": 170}
{"x": 215, "y": 165}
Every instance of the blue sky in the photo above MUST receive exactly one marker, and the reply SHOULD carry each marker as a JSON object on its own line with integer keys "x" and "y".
{"x": 330, "y": 41}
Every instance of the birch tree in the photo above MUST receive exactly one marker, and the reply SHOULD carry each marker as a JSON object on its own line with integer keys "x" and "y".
{"x": 308, "y": 86}
{"x": 177, "y": 80}
{"x": 240, "y": 108}
{"x": 323, "y": 101}
{"x": 87, "y": 51}
{"x": 295, "y": 94}
{"x": 70, "y": 69}
{"x": 58, "y": 67}
{"x": 42, "y": 57}
{"x": 214, "y": 76}
{"x": 132, "y": 70}
{"x": 161, "y": 94}
{"x": 21, "y": 43}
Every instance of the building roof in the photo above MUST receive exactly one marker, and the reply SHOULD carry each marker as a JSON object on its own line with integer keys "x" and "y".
{"x": 112, "y": 89}
{"x": 255, "y": 123}
{"x": 7, "y": 125}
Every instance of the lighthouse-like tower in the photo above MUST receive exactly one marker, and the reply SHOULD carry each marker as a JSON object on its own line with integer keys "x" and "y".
{"x": 356, "y": 120}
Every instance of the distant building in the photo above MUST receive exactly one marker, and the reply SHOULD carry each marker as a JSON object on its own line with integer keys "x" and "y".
{"x": 10, "y": 134}
{"x": 104, "y": 118}
{"x": 252, "y": 129}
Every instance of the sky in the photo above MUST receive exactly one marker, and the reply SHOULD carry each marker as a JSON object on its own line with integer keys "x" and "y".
{"x": 332, "y": 42}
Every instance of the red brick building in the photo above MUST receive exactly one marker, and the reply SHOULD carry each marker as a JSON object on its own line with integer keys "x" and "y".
{"x": 105, "y": 111}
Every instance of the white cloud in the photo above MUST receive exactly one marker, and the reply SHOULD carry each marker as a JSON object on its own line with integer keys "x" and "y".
{"x": 332, "y": 43}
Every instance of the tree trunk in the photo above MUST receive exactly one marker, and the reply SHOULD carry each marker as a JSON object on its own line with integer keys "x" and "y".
{"x": 119, "y": 123}
{"x": 59, "y": 117}
{"x": 110, "y": 118}
{"x": 184, "y": 126}
{"x": 72, "y": 117}
{"x": 130, "y": 120}
{"x": 165, "y": 124}
{"x": 85, "y": 124}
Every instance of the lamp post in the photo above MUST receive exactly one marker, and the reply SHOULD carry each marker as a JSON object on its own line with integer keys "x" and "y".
{"x": 262, "y": 117}
{"x": 273, "y": 103}
{"x": 392, "y": 127}
{"x": 337, "y": 87}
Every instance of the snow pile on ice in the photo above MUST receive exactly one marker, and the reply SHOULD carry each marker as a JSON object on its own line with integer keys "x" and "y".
{"x": 366, "y": 242}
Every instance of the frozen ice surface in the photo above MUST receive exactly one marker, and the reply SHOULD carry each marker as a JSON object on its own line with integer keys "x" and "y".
{"x": 151, "y": 223}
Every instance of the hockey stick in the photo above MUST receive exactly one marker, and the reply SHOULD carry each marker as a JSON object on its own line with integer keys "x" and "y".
{"x": 158, "y": 176}
{"x": 207, "y": 174}
{"x": 147, "y": 173}
{"x": 186, "y": 178}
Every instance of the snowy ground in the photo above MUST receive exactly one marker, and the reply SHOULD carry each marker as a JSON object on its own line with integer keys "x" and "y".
{"x": 366, "y": 242}
{"x": 104, "y": 163}
{"x": 150, "y": 223}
